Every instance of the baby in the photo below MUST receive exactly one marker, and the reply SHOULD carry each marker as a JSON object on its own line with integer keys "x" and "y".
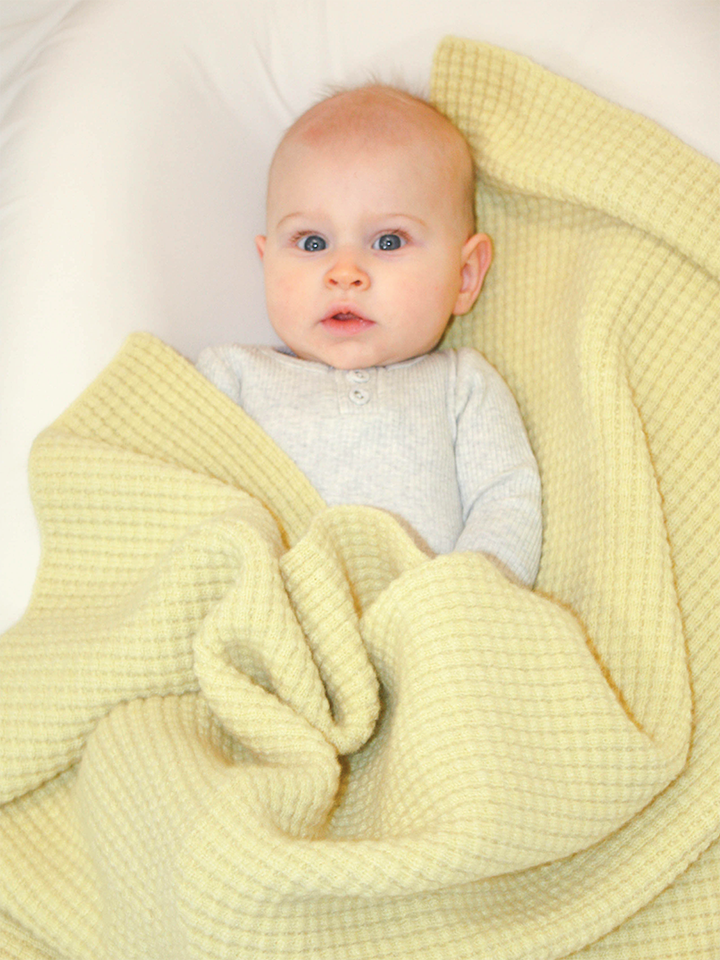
{"x": 370, "y": 250}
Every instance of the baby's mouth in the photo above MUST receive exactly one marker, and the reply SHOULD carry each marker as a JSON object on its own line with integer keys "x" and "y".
{"x": 345, "y": 322}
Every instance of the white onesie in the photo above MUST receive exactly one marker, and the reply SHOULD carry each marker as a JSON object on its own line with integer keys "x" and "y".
{"x": 437, "y": 441}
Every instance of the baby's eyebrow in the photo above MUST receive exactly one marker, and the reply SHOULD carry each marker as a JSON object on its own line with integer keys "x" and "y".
{"x": 291, "y": 216}
{"x": 403, "y": 216}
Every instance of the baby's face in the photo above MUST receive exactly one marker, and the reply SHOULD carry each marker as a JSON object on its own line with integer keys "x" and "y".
{"x": 367, "y": 254}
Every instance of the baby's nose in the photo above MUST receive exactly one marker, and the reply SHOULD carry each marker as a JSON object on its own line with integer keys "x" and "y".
{"x": 347, "y": 274}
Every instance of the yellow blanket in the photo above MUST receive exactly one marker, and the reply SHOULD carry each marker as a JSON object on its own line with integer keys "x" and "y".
{"x": 235, "y": 723}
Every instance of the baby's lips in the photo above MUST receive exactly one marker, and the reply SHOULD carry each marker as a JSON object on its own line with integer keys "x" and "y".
{"x": 345, "y": 313}
{"x": 346, "y": 323}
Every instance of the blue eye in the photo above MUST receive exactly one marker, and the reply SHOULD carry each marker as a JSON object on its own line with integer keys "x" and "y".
{"x": 311, "y": 243}
{"x": 388, "y": 241}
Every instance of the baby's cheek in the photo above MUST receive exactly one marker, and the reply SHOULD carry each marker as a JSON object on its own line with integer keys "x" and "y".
{"x": 288, "y": 298}
{"x": 281, "y": 284}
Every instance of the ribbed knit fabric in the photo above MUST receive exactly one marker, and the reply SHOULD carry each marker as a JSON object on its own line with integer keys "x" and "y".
{"x": 235, "y": 723}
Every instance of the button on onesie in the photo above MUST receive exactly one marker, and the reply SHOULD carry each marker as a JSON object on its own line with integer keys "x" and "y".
{"x": 359, "y": 385}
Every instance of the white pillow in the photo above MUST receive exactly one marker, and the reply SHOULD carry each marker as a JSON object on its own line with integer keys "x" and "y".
{"x": 137, "y": 137}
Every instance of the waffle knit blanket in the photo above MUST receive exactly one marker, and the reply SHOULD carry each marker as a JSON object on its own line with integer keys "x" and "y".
{"x": 235, "y": 723}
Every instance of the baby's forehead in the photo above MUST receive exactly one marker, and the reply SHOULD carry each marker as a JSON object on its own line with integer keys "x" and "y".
{"x": 373, "y": 120}
{"x": 373, "y": 115}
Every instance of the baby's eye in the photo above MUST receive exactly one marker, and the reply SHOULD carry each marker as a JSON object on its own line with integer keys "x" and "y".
{"x": 389, "y": 241}
{"x": 311, "y": 243}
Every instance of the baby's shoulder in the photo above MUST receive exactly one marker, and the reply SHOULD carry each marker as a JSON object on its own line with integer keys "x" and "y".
{"x": 474, "y": 381}
{"x": 468, "y": 364}
{"x": 234, "y": 368}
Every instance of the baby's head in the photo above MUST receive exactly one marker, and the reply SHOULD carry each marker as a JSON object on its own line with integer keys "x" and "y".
{"x": 370, "y": 245}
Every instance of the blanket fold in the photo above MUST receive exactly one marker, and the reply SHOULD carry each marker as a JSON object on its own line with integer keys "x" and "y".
{"x": 236, "y": 722}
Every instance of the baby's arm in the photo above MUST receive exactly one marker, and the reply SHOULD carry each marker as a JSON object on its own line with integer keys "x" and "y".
{"x": 497, "y": 472}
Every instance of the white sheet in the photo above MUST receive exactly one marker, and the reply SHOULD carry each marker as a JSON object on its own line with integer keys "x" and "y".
{"x": 136, "y": 136}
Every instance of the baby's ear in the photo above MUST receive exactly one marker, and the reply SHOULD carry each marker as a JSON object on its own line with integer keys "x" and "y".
{"x": 260, "y": 242}
{"x": 476, "y": 260}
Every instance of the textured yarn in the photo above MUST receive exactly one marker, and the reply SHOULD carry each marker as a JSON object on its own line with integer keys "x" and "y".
{"x": 238, "y": 723}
